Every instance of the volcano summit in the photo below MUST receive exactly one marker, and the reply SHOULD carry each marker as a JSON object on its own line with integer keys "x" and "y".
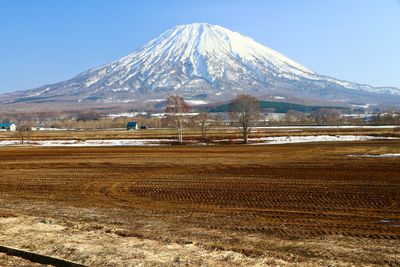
{"x": 201, "y": 62}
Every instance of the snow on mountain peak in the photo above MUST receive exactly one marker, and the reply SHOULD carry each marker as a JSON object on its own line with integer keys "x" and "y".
{"x": 196, "y": 55}
{"x": 205, "y": 61}
{"x": 193, "y": 42}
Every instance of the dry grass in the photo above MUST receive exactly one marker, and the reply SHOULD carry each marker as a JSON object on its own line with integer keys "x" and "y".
{"x": 11, "y": 261}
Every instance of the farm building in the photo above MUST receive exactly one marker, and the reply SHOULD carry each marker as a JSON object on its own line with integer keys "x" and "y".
{"x": 132, "y": 125}
{"x": 275, "y": 117}
{"x": 37, "y": 128}
{"x": 8, "y": 127}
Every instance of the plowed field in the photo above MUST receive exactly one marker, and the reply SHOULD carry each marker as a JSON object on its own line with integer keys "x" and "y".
{"x": 245, "y": 199}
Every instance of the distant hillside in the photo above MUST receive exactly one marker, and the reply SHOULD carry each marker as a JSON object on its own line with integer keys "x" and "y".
{"x": 280, "y": 107}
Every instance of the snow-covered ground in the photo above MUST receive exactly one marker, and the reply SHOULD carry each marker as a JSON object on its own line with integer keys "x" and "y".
{"x": 330, "y": 127}
{"x": 80, "y": 143}
{"x": 318, "y": 138}
{"x": 126, "y": 114}
{"x": 378, "y": 156}
{"x": 196, "y": 102}
{"x": 158, "y": 142}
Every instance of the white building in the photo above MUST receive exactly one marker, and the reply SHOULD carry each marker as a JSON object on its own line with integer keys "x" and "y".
{"x": 275, "y": 117}
{"x": 10, "y": 127}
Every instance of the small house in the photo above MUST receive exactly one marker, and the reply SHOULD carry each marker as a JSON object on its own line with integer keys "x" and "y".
{"x": 132, "y": 125}
{"x": 10, "y": 127}
{"x": 275, "y": 117}
{"x": 38, "y": 127}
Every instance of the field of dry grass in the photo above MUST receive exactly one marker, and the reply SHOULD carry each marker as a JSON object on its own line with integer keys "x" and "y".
{"x": 6, "y": 260}
{"x": 279, "y": 205}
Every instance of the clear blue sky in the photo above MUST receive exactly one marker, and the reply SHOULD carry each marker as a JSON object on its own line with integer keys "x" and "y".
{"x": 46, "y": 41}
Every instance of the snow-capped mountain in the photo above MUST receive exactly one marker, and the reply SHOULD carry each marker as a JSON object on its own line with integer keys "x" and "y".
{"x": 202, "y": 62}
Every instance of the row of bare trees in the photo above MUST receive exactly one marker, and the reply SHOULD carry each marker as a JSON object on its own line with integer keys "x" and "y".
{"x": 244, "y": 111}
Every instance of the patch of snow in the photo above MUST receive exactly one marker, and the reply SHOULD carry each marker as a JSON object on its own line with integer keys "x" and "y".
{"x": 54, "y": 129}
{"x": 183, "y": 114}
{"x": 158, "y": 142}
{"x": 361, "y": 106}
{"x": 40, "y": 93}
{"x": 120, "y": 89}
{"x": 155, "y": 100}
{"x": 89, "y": 143}
{"x": 196, "y": 102}
{"x": 318, "y": 138}
{"x": 92, "y": 80}
{"x": 330, "y": 127}
{"x": 158, "y": 115}
{"x": 378, "y": 156}
{"x": 127, "y": 114}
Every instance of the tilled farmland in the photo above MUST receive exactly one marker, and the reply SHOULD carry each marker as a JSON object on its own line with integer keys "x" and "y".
{"x": 308, "y": 204}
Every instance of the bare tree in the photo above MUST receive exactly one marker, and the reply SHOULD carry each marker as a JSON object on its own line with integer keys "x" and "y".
{"x": 295, "y": 117}
{"x": 385, "y": 118}
{"x": 24, "y": 133}
{"x": 89, "y": 116}
{"x": 205, "y": 122}
{"x": 325, "y": 116}
{"x": 176, "y": 109}
{"x": 397, "y": 121}
{"x": 245, "y": 110}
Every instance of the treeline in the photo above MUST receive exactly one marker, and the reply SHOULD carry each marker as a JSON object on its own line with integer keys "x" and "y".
{"x": 337, "y": 117}
{"x": 104, "y": 123}
{"x": 78, "y": 120}
{"x": 99, "y": 120}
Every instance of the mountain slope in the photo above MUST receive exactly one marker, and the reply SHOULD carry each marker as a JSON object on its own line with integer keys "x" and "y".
{"x": 202, "y": 61}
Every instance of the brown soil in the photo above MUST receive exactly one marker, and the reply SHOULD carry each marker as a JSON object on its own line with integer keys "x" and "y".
{"x": 307, "y": 204}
